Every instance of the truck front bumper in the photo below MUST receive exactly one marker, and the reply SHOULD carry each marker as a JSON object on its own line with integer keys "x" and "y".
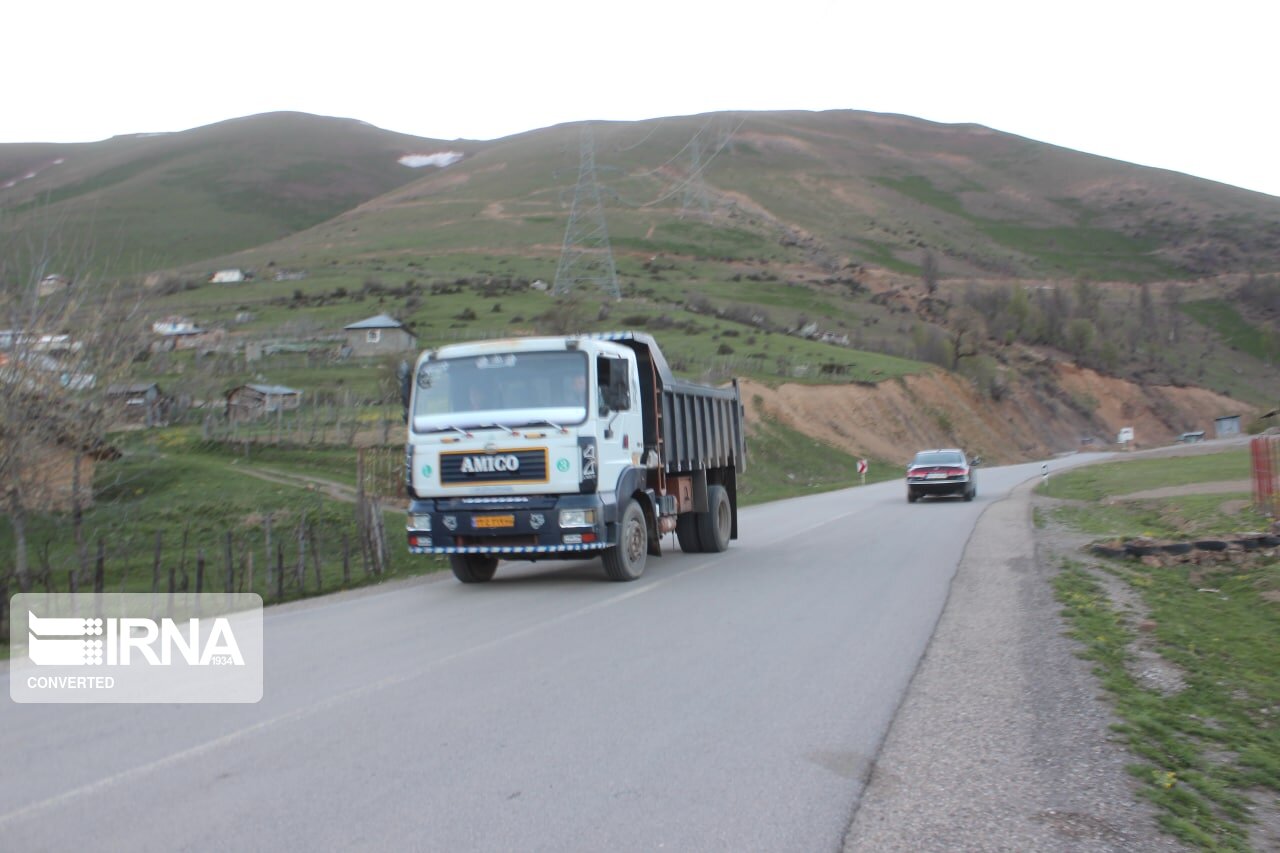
{"x": 516, "y": 526}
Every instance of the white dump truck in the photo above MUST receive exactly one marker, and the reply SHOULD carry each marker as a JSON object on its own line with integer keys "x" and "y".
{"x": 551, "y": 448}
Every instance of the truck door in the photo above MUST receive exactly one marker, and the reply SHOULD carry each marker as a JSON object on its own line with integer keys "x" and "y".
{"x": 621, "y": 431}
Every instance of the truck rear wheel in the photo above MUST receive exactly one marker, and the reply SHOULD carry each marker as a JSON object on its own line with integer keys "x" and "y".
{"x": 473, "y": 568}
{"x": 715, "y": 526}
{"x": 687, "y": 533}
{"x": 625, "y": 561}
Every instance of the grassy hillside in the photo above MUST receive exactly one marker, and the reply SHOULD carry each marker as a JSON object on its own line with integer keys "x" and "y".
{"x": 887, "y": 241}
{"x": 136, "y": 204}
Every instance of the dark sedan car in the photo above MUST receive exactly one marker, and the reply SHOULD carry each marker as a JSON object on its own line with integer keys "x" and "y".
{"x": 941, "y": 472}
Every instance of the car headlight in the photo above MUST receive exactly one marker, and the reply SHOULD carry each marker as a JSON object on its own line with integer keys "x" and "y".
{"x": 577, "y": 518}
{"x": 420, "y": 522}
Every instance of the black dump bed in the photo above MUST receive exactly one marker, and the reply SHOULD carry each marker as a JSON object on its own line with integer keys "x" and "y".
{"x": 701, "y": 426}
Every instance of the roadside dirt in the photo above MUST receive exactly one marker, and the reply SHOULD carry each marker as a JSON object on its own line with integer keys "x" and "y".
{"x": 891, "y": 420}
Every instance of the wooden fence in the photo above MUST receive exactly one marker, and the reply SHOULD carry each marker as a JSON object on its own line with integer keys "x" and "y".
{"x": 279, "y": 562}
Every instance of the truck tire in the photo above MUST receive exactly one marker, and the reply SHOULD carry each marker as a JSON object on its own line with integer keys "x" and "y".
{"x": 473, "y": 568}
{"x": 687, "y": 533}
{"x": 625, "y": 561}
{"x": 715, "y": 526}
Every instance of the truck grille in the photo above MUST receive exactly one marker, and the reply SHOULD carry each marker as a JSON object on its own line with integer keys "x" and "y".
{"x": 525, "y": 465}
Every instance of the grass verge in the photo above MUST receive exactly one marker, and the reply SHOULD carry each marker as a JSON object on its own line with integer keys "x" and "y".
{"x": 1208, "y": 753}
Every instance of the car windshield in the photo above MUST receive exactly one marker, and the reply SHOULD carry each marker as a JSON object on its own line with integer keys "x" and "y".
{"x": 502, "y": 389}
{"x": 939, "y": 457}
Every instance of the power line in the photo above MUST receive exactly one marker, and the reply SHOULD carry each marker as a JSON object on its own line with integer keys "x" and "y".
{"x": 693, "y": 187}
{"x": 586, "y": 255}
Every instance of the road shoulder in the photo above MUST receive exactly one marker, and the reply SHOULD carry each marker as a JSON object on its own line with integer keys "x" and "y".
{"x": 1002, "y": 740}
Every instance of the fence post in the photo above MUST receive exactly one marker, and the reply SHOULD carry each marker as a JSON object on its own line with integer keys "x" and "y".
{"x": 300, "y": 571}
{"x": 279, "y": 572}
{"x": 346, "y": 559}
{"x": 155, "y": 568}
{"x": 266, "y": 526}
{"x": 199, "y": 570}
{"x": 362, "y": 512}
{"x": 182, "y": 561}
{"x": 4, "y": 607}
{"x": 100, "y": 567}
{"x": 231, "y": 571}
{"x": 315, "y": 556}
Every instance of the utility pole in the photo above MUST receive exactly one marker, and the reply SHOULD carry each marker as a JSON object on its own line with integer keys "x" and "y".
{"x": 586, "y": 255}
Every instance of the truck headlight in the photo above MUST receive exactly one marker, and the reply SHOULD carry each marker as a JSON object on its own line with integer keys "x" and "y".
{"x": 577, "y": 518}
{"x": 420, "y": 522}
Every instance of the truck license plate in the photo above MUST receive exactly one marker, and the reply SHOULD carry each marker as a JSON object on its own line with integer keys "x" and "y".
{"x": 495, "y": 521}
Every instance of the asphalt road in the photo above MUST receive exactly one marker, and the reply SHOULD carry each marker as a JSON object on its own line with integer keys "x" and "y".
{"x": 722, "y": 702}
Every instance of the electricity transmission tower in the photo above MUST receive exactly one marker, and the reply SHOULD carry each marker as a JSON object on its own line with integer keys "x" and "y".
{"x": 586, "y": 255}
{"x": 695, "y": 196}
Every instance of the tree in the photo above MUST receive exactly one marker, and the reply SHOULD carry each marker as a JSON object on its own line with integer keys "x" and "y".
{"x": 66, "y": 339}
{"x": 965, "y": 330}
{"x": 929, "y": 273}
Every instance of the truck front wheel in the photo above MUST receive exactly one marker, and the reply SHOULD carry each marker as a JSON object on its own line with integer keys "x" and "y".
{"x": 715, "y": 526}
{"x": 473, "y": 568}
{"x": 625, "y": 561}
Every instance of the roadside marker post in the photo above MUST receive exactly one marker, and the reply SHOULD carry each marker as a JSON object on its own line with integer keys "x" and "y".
{"x": 862, "y": 470}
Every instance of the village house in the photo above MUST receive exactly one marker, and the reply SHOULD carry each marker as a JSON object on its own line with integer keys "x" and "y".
{"x": 378, "y": 336}
{"x": 140, "y": 404}
{"x": 228, "y": 276}
{"x": 1227, "y": 426}
{"x": 177, "y": 333}
{"x": 52, "y": 284}
{"x": 174, "y": 326}
{"x": 251, "y": 402}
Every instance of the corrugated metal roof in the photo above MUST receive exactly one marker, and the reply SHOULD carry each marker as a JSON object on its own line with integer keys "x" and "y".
{"x": 382, "y": 321}
{"x": 277, "y": 390}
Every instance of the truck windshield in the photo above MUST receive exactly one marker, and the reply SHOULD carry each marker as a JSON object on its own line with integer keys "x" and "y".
{"x": 502, "y": 389}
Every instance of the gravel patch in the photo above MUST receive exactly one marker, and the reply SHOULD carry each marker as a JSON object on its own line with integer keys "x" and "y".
{"x": 1002, "y": 741}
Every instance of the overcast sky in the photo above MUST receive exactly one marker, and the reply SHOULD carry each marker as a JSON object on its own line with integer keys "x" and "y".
{"x": 1179, "y": 85}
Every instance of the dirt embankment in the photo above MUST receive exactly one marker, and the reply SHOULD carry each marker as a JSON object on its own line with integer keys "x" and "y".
{"x": 894, "y": 419}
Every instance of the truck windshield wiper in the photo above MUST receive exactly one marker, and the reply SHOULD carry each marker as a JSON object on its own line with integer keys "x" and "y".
{"x": 537, "y": 421}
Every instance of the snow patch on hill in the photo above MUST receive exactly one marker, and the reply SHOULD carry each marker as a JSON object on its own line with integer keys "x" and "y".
{"x": 440, "y": 159}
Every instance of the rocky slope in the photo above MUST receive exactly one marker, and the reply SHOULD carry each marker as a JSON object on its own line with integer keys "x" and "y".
{"x": 1079, "y": 409}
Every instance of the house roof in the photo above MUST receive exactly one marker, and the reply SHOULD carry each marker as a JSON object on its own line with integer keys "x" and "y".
{"x": 133, "y": 388}
{"x": 270, "y": 390}
{"x": 273, "y": 389}
{"x": 382, "y": 321}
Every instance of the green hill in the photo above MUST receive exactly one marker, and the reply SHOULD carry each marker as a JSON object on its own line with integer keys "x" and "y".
{"x": 132, "y": 205}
